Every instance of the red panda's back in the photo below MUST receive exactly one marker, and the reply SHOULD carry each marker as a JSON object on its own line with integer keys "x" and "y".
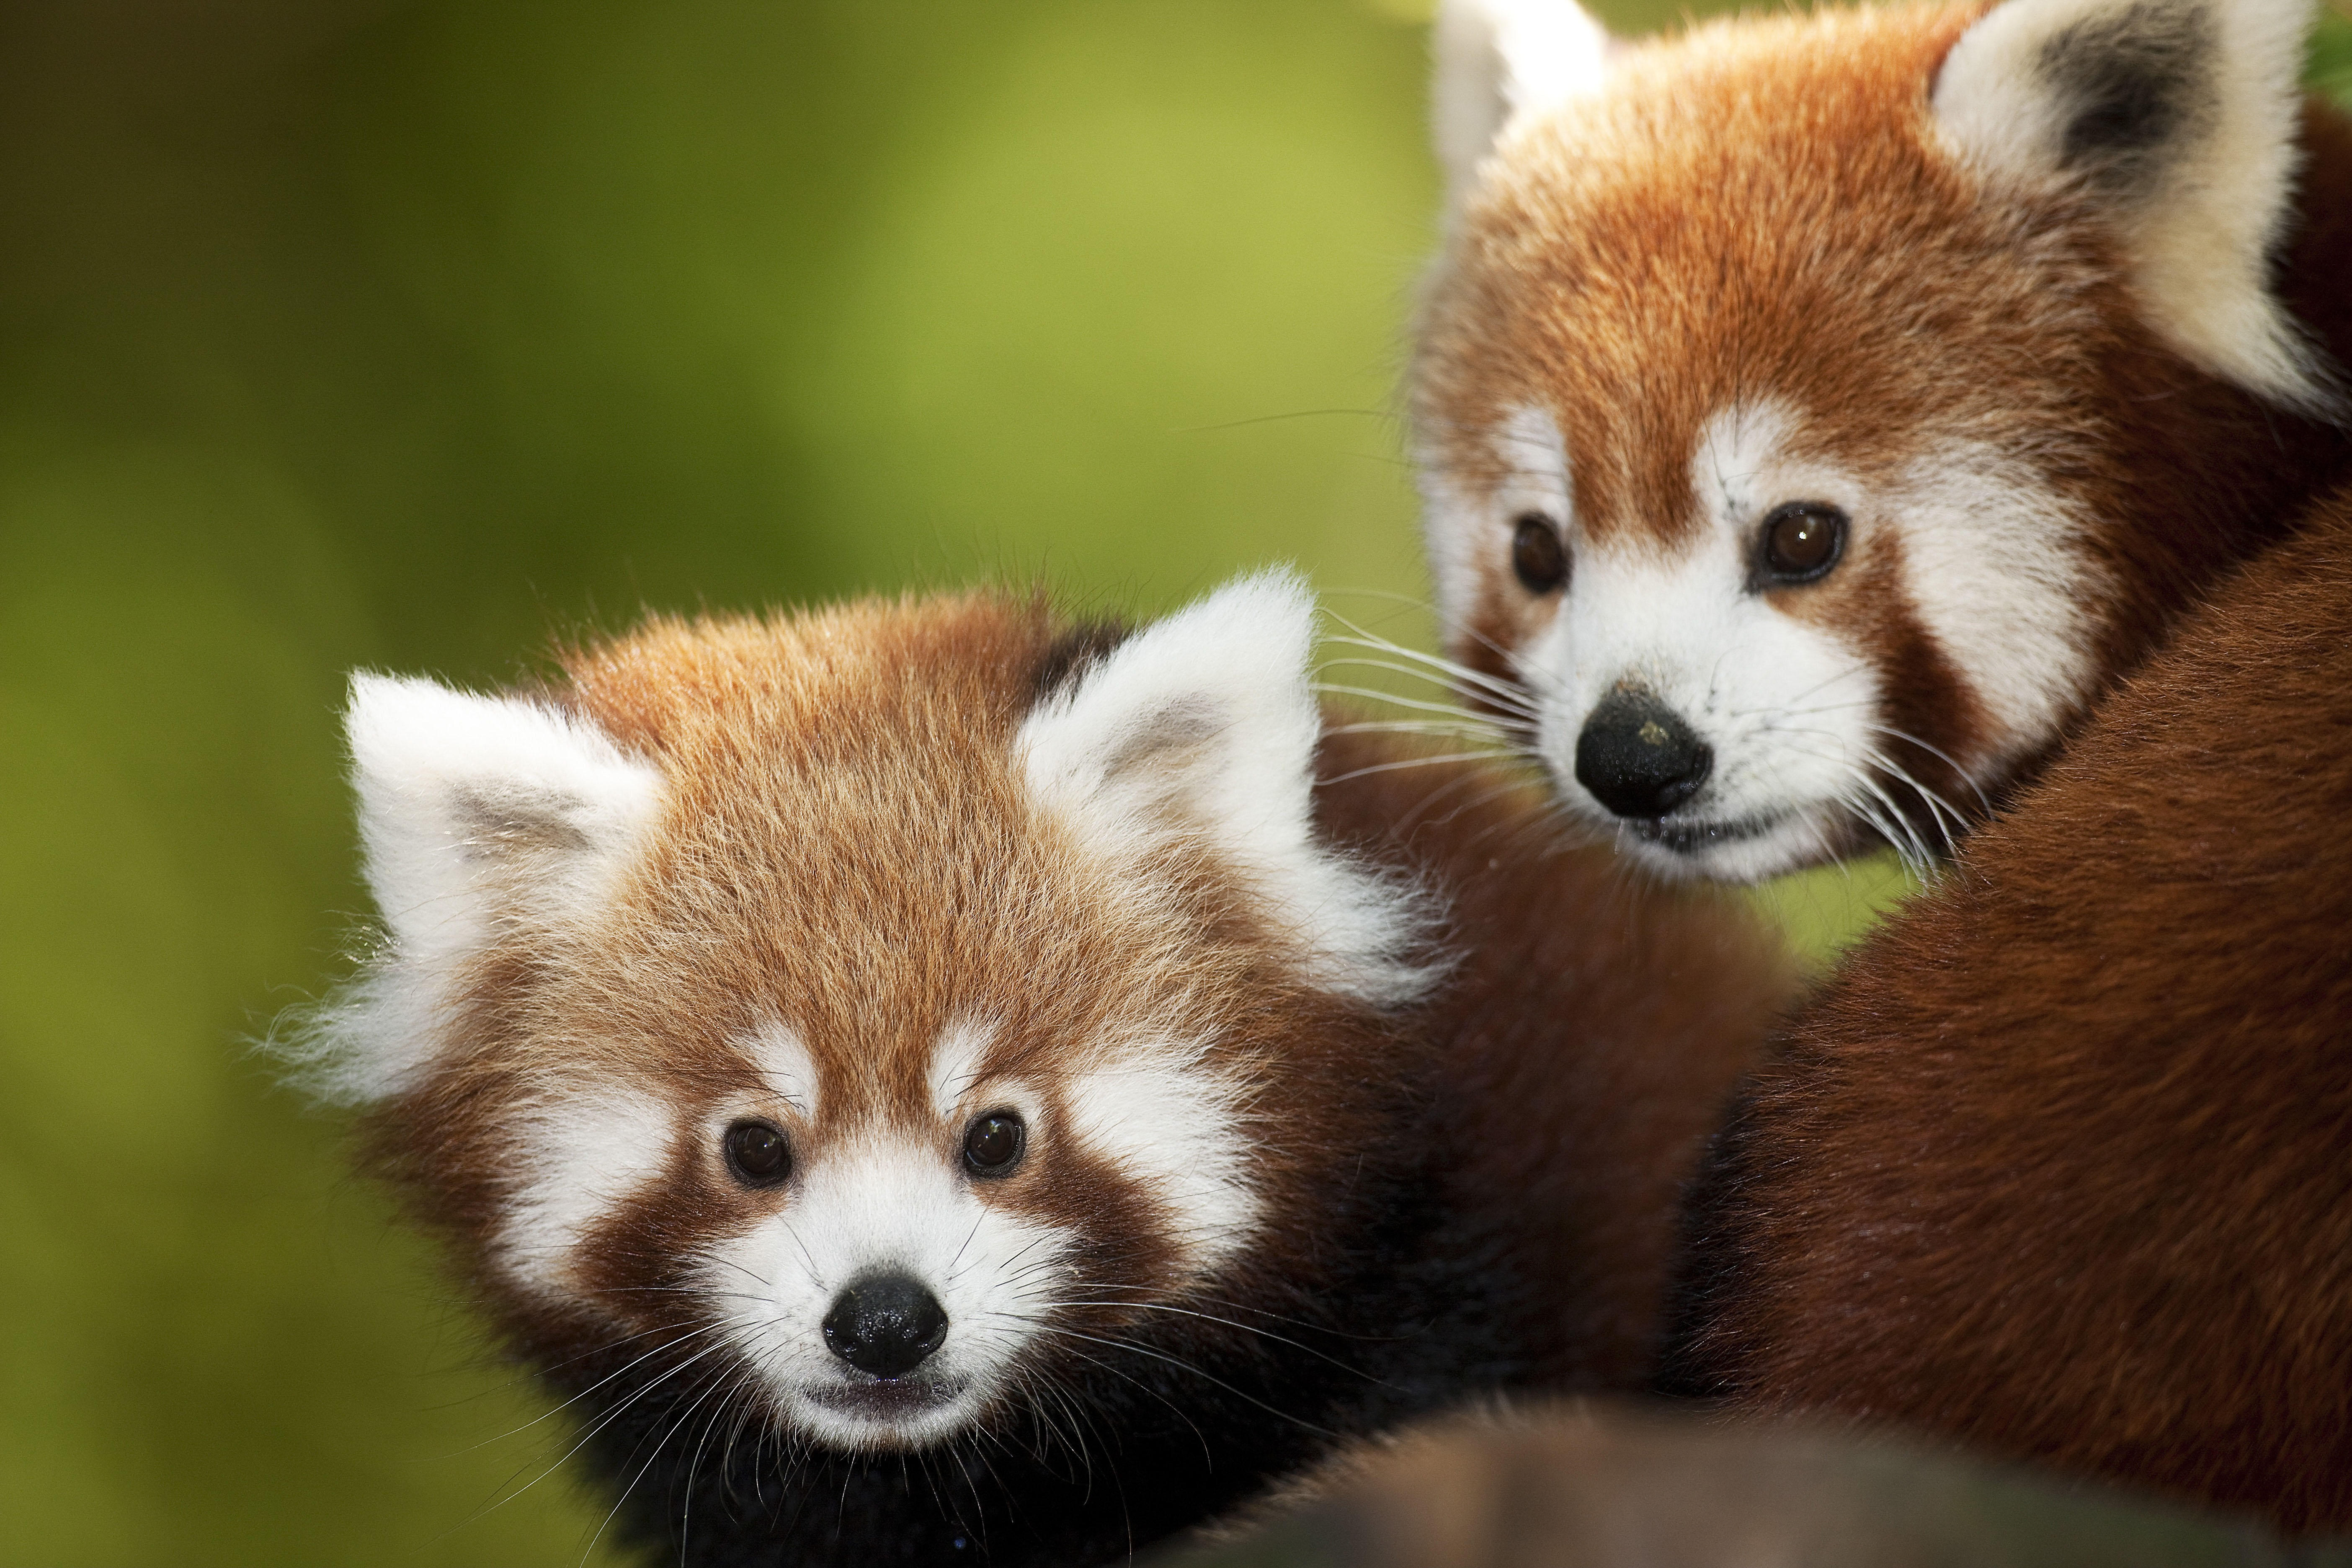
{"x": 2062, "y": 1162}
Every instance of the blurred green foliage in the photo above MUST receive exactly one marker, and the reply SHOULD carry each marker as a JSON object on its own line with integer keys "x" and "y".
{"x": 411, "y": 333}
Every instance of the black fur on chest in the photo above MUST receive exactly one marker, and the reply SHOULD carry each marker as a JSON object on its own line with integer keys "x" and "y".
{"x": 1181, "y": 1419}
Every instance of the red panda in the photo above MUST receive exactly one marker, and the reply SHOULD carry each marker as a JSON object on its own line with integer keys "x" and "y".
{"x": 1832, "y": 421}
{"x": 2061, "y": 1162}
{"x": 1818, "y": 414}
{"x": 932, "y": 1083}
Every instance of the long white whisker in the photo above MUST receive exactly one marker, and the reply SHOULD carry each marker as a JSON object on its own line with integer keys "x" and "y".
{"x": 1452, "y": 710}
{"x": 1942, "y": 756}
{"x": 1451, "y": 669}
{"x": 1213, "y": 1318}
{"x": 1407, "y": 762}
{"x": 1938, "y": 806}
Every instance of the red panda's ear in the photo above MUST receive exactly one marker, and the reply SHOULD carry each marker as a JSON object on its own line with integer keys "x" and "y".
{"x": 2179, "y": 118}
{"x": 1204, "y": 727}
{"x": 474, "y": 813}
{"x": 1497, "y": 60}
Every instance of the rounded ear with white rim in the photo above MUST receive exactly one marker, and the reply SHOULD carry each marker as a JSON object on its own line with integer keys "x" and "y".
{"x": 1497, "y": 60}
{"x": 2179, "y": 117}
{"x": 1204, "y": 726}
{"x": 475, "y": 812}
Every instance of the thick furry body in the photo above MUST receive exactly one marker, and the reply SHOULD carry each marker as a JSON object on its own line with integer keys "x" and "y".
{"x": 2060, "y": 1163}
{"x": 869, "y": 886}
{"x": 1828, "y": 419}
{"x": 2034, "y": 314}
{"x": 1508, "y": 1225}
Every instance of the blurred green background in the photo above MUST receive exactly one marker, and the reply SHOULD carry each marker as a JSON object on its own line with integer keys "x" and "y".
{"x": 340, "y": 332}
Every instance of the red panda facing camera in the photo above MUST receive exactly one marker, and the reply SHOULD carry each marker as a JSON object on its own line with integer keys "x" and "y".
{"x": 936, "y": 1084}
{"x": 1818, "y": 414}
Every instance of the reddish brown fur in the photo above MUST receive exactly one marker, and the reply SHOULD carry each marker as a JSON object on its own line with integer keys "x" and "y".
{"x": 1586, "y": 1046}
{"x": 847, "y": 843}
{"x": 1764, "y": 212}
{"x": 2060, "y": 1165}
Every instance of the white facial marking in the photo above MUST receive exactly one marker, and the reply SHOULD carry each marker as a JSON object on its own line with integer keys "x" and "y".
{"x": 583, "y": 1156}
{"x": 1791, "y": 711}
{"x": 1155, "y": 1110}
{"x": 883, "y": 1202}
{"x": 1784, "y": 705}
{"x": 1466, "y": 535}
{"x": 783, "y": 1058}
{"x": 956, "y": 1060}
{"x": 1995, "y": 568}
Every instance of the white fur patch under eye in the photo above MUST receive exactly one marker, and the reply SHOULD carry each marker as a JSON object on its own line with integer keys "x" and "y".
{"x": 1175, "y": 1129}
{"x": 581, "y": 1158}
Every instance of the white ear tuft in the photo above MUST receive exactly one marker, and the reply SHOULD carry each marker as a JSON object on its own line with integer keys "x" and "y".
{"x": 1205, "y": 725}
{"x": 1497, "y": 60}
{"x": 2181, "y": 117}
{"x": 473, "y": 811}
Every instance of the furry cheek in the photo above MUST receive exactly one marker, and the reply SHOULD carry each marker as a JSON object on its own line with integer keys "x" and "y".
{"x": 1172, "y": 1128}
{"x": 579, "y": 1159}
{"x": 1996, "y": 570}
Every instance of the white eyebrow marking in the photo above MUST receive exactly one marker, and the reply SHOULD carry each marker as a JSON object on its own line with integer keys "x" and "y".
{"x": 956, "y": 1059}
{"x": 782, "y": 1057}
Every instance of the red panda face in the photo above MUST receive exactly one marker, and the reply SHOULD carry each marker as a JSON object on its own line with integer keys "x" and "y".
{"x": 1783, "y": 394}
{"x": 860, "y": 1017}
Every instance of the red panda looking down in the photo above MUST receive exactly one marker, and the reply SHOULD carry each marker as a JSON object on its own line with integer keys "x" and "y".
{"x": 936, "y": 1084}
{"x": 1819, "y": 412}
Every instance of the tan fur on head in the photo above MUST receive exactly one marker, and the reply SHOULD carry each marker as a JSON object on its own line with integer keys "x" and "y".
{"x": 976, "y": 1061}
{"x": 844, "y": 848}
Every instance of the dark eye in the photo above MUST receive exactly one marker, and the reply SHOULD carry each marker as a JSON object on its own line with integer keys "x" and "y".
{"x": 758, "y": 1153}
{"x": 1801, "y": 542}
{"x": 1537, "y": 555}
{"x": 992, "y": 1145}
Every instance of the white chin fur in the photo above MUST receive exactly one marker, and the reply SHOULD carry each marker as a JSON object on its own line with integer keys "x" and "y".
{"x": 1802, "y": 837}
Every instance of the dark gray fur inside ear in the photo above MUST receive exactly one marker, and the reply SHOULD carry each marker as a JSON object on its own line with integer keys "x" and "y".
{"x": 498, "y": 823}
{"x": 1072, "y": 654}
{"x": 2140, "y": 84}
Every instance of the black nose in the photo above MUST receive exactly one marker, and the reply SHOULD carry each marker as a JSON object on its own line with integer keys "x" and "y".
{"x": 1637, "y": 756}
{"x": 886, "y": 1324}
